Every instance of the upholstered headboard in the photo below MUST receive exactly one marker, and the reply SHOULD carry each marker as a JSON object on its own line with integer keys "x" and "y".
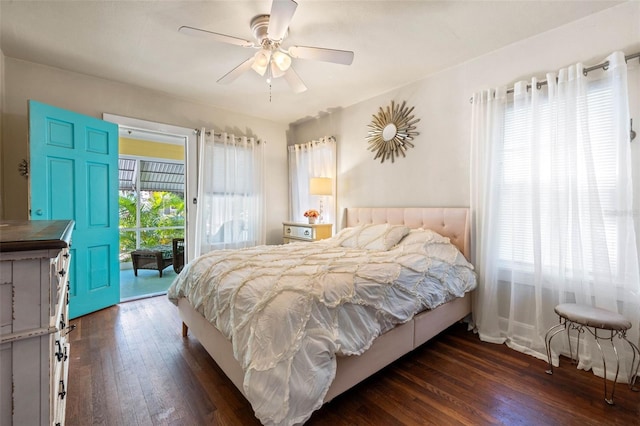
{"x": 451, "y": 222}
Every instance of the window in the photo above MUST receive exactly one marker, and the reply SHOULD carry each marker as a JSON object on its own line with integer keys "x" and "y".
{"x": 230, "y": 193}
{"x": 552, "y": 207}
{"x": 306, "y": 161}
{"x": 541, "y": 179}
{"x": 230, "y": 196}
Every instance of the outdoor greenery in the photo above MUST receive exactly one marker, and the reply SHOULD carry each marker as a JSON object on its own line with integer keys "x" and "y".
{"x": 163, "y": 210}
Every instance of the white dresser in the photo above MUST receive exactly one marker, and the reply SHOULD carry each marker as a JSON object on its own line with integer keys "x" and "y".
{"x": 34, "y": 353}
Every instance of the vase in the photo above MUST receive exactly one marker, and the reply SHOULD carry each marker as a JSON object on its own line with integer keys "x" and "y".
{"x": 312, "y": 220}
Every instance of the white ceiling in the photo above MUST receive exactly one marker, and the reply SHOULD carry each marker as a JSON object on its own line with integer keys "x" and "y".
{"x": 395, "y": 43}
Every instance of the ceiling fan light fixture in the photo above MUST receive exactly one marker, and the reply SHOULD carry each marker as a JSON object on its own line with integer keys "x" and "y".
{"x": 261, "y": 62}
{"x": 271, "y": 60}
{"x": 281, "y": 60}
{"x": 276, "y": 72}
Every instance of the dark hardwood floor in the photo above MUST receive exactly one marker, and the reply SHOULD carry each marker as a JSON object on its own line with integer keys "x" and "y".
{"x": 131, "y": 366}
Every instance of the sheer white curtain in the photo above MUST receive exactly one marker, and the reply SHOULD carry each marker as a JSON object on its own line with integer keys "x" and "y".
{"x": 552, "y": 208}
{"x": 230, "y": 209}
{"x": 308, "y": 160}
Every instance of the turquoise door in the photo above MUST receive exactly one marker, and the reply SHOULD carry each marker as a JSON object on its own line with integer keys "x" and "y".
{"x": 74, "y": 175}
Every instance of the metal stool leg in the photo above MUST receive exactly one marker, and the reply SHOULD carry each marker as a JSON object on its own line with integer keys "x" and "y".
{"x": 609, "y": 400}
{"x": 604, "y": 363}
{"x": 615, "y": 379}
{"x": 580, "y": 330}
{"x": 633, "y": 372}
{"x": 547, "y": 343}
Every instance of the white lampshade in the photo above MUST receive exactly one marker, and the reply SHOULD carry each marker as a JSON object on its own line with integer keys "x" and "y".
{"x": 282, "y": 60}
{"x": 275, "y": 71}
{"x": 320, "y": 186}
{"x": 261, "y": 62}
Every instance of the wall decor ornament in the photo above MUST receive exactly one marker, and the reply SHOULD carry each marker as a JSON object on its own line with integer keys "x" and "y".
{"x": 392, "y": 130}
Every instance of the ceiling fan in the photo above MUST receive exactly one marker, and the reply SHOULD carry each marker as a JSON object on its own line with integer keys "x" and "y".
{"x": 272, "y": 59}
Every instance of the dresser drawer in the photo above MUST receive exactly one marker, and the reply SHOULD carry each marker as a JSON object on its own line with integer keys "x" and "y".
{"x": 299, "y": 231}
{"x": 305, "y": 232}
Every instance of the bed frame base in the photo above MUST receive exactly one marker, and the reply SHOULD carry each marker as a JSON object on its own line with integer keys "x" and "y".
{"x": 351, "y": 370}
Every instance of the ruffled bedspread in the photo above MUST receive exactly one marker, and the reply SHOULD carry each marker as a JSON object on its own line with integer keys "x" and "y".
{"x": 289, "y": 310}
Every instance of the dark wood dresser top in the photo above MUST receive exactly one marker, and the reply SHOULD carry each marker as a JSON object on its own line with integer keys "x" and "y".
{"x": 22, "y": 235}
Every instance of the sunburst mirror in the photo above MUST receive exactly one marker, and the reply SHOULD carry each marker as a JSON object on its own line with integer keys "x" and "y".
{"x": 392, "y": 130}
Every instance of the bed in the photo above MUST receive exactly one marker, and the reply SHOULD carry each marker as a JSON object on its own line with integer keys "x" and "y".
{"x": 392, "y": 343}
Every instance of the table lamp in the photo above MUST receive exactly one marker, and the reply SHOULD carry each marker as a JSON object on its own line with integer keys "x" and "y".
{"x": 320, "y": 186}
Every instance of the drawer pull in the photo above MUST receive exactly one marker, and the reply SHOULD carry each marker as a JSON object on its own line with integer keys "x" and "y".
{"x": 59, "y": 354}
{"x": 307, "y": 233}
{"x": 288, "y": 230}
{"x": 62, "y": 393}
{"x": 69, "y": 330}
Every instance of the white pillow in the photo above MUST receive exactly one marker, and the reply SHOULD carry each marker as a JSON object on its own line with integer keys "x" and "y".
{"x": 346, "y": 232}
{"x": 422, "y": 236}
{"x": 374, "y": 237}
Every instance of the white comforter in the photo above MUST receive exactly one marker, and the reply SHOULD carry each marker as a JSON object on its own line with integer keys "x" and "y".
{"x": 290, "y": 309}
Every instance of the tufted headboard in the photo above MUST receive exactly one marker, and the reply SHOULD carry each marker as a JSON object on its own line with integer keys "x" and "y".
{"x": 451, "y": 222}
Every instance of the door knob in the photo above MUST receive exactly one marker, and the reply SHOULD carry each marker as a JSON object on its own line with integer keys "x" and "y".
{"x": 39, "y": 212}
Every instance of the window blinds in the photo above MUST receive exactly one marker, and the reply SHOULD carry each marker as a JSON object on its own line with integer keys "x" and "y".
{"x": 553, "y": 157}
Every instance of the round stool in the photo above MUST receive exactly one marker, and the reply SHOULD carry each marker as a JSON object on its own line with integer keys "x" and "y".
{"x": 582, "y": 317}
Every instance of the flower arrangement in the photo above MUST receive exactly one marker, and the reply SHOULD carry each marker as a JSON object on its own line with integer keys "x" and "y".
{"x": 311, "y": 213}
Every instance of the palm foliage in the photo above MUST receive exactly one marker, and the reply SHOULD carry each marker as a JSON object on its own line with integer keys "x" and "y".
{"x": 162, "y": 211}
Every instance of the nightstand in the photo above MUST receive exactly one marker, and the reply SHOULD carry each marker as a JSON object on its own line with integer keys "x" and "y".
{"x": 292, "y": 231}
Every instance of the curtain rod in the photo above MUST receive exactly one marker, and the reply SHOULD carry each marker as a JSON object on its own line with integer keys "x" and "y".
{"x": 208, "y": 133}
{"x": 130, "y": 130}
{"x": 604, "y": 66}
{"x": 312, "y": 142}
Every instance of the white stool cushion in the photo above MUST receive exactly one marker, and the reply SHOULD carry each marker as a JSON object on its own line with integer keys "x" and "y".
{"x": 592, "y": 317}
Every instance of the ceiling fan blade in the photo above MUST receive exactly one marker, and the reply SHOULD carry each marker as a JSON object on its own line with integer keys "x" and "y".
{"x": 215, "y": 36}
{"x": 295, "y": 82}
{"x": 344, "y": 57}
{"x": 281, "y": 13}
{"x": 237, "y": 71}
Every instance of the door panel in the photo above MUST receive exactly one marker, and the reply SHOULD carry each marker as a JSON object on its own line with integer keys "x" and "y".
{"x": 60, "y": 171}
{"x": 74, "y": 175}
{"x": 98, "y": 258}
{"x": 97, "y": 207}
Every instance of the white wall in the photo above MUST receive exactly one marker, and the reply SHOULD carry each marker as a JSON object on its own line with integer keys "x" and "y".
{"x": 94, "y": 96}
{"x": 436, "y": 171}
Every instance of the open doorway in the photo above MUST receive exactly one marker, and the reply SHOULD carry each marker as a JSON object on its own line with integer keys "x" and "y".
{"x": 154, "y": 212}
{"x": 152, "y": 223}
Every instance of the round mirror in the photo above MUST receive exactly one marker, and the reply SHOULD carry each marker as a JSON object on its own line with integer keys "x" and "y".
{"x": 389, "y": 132}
